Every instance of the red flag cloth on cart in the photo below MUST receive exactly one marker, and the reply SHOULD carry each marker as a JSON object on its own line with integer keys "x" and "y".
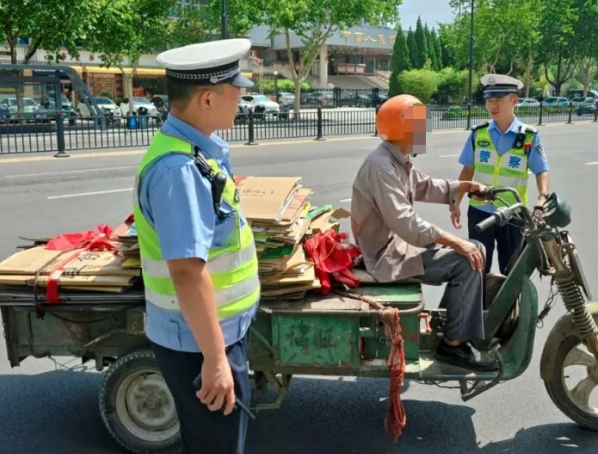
{"x": 332, "y": 259}
{"x": 91, "y": 240}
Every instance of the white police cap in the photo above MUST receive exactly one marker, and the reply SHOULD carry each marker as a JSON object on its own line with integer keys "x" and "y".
{"x": 209, "y": 63}
{"x": 498, "y": 85}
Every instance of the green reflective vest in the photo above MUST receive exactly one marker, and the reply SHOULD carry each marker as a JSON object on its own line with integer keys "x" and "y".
{"x": 232, "y": 267}
{"x": 510, "y": 169}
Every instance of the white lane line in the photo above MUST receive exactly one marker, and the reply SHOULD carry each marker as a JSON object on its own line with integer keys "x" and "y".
{"x": 448, "y": 155}
{"x": 594, "y": 163}
{"x": 345, "y": 200}
{"x": 64, "y": 172}
{"x": 83, "y": 194}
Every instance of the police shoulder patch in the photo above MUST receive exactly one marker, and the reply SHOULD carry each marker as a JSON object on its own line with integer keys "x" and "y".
{"x": 539, "y": 149}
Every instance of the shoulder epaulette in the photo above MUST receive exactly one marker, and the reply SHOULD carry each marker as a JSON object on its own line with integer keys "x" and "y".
{"x": 531, "y": 130}
{"x": 480, "y": 126}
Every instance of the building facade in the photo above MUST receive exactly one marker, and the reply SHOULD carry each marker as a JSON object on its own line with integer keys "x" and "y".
{"x": 361, "y": 51}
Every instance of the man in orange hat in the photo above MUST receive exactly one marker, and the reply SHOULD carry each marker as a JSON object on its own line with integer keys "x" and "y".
{"x": 398, "y": 244}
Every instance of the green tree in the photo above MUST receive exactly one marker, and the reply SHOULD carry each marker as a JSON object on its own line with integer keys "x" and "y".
{"x": 314, "y": 21}
{"x": 446, "y": 52}
{"x": 132, "y": 29}
{"x": 431, "y": 49}
{"x": 421, "y": 83}
{"x": 420, "y": 42}
{"x": 558, "y": 47}
{"x": 412, "y": 47}
{"x": 452, "y": 86}
{"x": 586, "y": 27}
{"x": 438, "y": 49}
{"x": 49, "y": 25}
{"x": 399, "y": 62}
{"x": 504, "y": 32}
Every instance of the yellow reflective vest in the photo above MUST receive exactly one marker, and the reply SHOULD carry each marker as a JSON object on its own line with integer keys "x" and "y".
{"x": 232, "y": 267}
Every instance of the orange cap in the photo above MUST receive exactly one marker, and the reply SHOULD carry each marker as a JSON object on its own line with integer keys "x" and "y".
{"x": 397, "y": 117}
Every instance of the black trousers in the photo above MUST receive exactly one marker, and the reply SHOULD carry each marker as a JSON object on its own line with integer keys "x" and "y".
{"x": 506, "y": 240}
{"x": 204, "y": 431}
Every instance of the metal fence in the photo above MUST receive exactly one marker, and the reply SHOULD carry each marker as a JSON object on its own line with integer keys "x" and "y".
{"x": 55, "y": 133}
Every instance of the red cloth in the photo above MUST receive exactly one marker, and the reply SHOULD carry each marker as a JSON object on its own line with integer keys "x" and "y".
{"x": 332, "y": 259}
{"x": 91, "y": 240}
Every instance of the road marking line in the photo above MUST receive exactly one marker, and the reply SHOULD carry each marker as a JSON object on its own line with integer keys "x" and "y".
{"x": 68, "y": 171}
{"x": 83, "y": 194}
{"x": 592, "y": 163}
{"x": 448, "y": 155}
{"x": 345, "y": 200}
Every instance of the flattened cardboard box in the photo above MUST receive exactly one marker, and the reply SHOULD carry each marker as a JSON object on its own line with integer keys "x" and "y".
{"x": 29, "y": 261}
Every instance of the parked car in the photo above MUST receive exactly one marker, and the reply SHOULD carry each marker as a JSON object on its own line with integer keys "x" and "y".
{"x": 269, "y": 108}
{"x": 111, "y": 110}
{"x": 138, "y": 102}
{"x": 29, "y": 107}
{"x": 587, "y": 107}
{"x": 286, "y": 99}
{"x": 528, "y": 102}
{"x": 556, "y": 101}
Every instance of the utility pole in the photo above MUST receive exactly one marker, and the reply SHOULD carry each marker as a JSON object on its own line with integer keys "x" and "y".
{"x": 224, "y": 21}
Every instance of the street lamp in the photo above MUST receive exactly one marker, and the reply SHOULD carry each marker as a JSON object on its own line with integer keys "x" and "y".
{"x": 224, "y": 21}
{"x": 470, "y": 94}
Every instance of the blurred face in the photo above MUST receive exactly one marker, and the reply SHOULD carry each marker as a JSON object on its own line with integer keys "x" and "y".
{"x": 219, "y": 105}
{"x": 502, "y": 108}
{"x": 417, "y": 124}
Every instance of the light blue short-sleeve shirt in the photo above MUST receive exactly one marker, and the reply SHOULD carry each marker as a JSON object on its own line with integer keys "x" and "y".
{"x": 537, "y": 162}
{"x": 177, "y": 202}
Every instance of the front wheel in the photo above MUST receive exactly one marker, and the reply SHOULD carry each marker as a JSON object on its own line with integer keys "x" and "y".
{"x": 137, "y": 407}
{"x": 576, "y": 401}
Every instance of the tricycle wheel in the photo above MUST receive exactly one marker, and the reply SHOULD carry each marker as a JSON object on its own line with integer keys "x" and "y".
{"x": 137, "y": 406}
{"x": 574, "y": 402}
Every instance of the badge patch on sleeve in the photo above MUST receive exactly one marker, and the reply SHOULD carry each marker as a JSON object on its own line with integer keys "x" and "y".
{"x": 539, "y": 149}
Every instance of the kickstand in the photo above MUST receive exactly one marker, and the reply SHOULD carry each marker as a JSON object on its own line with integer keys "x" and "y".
{"x": 468, "y": 394}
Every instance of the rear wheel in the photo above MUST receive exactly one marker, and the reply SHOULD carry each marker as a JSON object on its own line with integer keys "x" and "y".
{"x": 137, "y": 406}
{"x": 578, "y": 399}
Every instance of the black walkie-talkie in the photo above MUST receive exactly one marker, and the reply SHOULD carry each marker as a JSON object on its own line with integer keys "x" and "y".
{"x": 217, "y": 180}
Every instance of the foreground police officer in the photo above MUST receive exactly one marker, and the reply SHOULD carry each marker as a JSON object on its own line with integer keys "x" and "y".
{"x": 501, "y": 153}
{"x": 198, "y": 254}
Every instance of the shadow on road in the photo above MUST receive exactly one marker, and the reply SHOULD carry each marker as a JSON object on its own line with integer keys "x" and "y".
{"x": 57, "y": 413}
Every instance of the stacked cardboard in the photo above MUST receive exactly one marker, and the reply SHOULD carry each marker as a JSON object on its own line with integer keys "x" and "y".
{"x": 74, "y": 270}
{"x": 277, "y": 209}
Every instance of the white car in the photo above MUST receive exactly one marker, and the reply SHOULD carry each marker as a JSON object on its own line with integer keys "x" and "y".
{"x": 103, "y": 103}
{"x": 29, "y": 105}
{"x": 528, "y": 102}
{"x": 271, "y": 108}
{"x": 138, "y": 102}
{"x": 286, "y": 98}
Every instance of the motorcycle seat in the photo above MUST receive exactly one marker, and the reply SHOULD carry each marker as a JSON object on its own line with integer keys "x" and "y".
{"x": 366, "y": 278}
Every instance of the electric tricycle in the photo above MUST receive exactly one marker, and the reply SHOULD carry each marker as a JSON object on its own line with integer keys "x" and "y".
{"x": 338, "y": 334}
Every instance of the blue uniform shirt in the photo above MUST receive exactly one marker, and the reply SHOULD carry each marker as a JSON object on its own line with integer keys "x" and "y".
{"x": 502, "y": 143}
{"x": 177, "y": 202}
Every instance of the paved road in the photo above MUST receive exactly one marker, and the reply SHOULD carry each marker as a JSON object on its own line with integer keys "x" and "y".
{"x": 335, "y": 122}
{"x": 47, "y": 412}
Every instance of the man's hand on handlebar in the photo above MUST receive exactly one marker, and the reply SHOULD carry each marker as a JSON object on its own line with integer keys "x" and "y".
{"x": 477, "y": 191}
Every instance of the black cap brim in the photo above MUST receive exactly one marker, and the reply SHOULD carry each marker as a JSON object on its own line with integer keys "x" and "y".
{"x": 497, "y": 94}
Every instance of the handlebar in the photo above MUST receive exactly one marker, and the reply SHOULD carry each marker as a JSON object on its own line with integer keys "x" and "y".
{"x": 503, "y": 214}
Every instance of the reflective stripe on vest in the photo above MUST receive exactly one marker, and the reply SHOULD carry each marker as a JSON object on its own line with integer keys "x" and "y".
{"x": 233, "y": 266}
{"x": 509, "y": 170}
